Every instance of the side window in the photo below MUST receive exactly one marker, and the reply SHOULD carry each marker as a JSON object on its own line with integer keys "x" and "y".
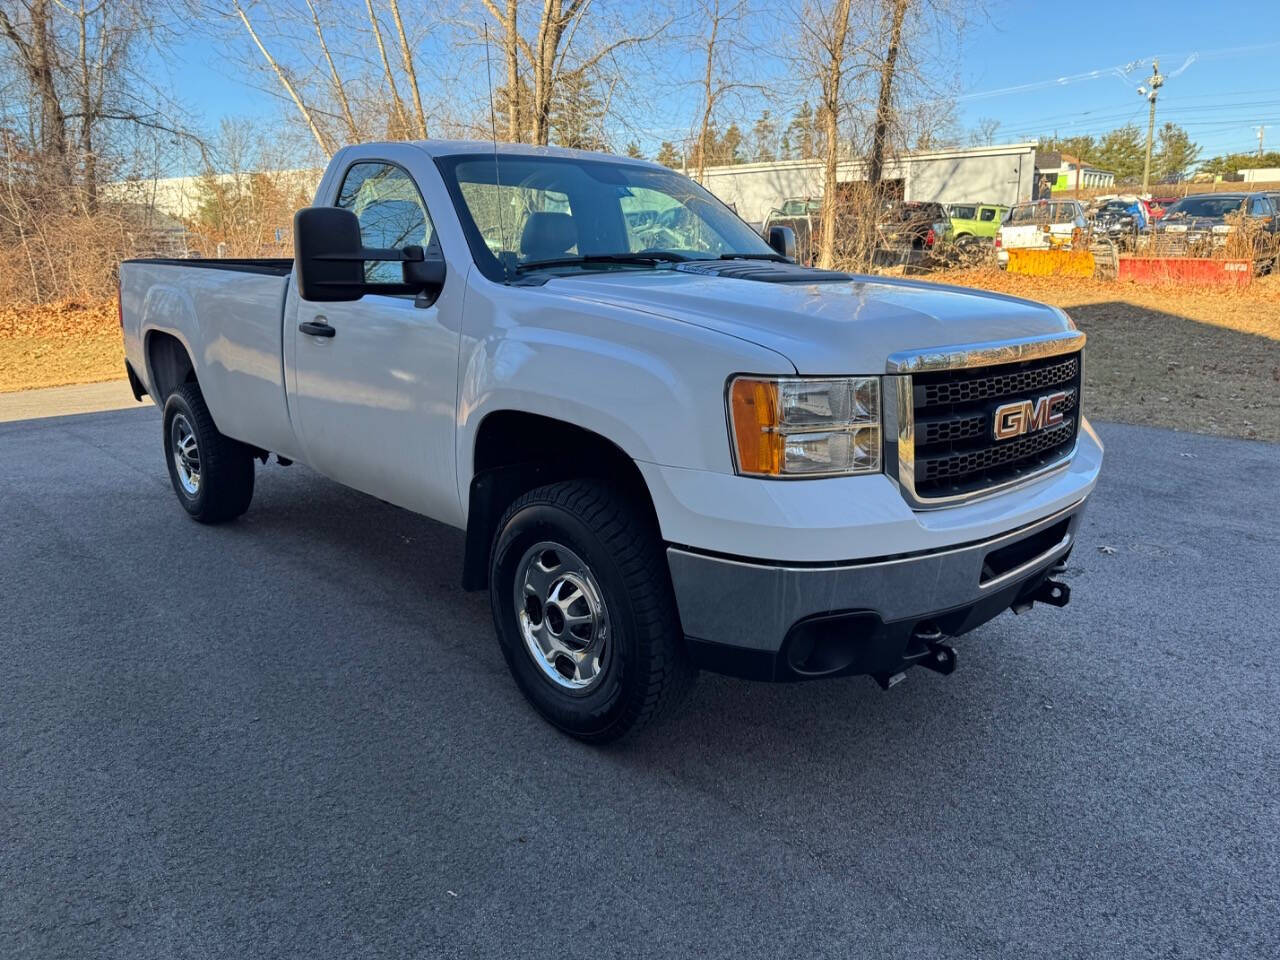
{"x": 987, "y": 214}
{"x": 963, "y": 213}
{"x": 391, "y": 213}
{"x": 1259, "y": 207}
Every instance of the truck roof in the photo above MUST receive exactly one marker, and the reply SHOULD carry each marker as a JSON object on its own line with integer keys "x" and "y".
{"x": 451, "y": 148}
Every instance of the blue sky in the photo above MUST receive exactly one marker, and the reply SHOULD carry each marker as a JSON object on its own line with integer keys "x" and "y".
{"x": 1031, "y": 66}
{"x": 1231, "y": 86}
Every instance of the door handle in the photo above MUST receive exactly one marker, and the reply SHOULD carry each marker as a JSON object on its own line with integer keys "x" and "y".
{"x": 316, "y": 328}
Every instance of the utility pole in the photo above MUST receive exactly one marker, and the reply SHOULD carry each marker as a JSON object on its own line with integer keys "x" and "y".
{"x": 1155, "y": 82}
{"x": 1261, "y": 130}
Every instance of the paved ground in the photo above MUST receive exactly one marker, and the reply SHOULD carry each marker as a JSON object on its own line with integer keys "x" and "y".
{"x": 294, "y": 736}
{"x": 60, "y": 401}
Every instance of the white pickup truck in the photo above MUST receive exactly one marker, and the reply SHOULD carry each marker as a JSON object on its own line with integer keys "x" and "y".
{"x": 669, "y": 445}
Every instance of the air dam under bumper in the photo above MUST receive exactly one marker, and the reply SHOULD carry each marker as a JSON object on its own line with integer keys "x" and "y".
{"x": 770, "y": 621}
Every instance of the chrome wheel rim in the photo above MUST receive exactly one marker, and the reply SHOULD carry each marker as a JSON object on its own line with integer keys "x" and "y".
{"x": 186, "y": 454}
{"x": 562, "y": 616}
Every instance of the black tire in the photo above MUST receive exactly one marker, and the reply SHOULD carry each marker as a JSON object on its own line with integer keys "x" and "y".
{"x": 646, "y": 668}
{"x": 223, "y": 485}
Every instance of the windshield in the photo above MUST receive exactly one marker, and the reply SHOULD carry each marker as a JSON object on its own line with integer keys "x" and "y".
{"x": 1204, "y": 207}
{"x": 518, "y": 211}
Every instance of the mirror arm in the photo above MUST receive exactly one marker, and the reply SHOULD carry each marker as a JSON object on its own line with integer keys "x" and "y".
{"x": 412, "y": 254}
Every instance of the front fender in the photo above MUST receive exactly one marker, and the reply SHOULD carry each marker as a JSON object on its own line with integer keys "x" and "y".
{"x": 652, "y": 386}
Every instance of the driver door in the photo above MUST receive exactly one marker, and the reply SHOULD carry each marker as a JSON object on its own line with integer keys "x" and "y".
{"x": 375, "y": 391}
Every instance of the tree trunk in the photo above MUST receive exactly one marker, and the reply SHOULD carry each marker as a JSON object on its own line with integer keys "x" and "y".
{"x": 339, "y": 89}
{"x": 708, "y": 93}
{"x": 884, "y": 106}
{"x": 88, "y": 160}
{"x": 325, "y": 146}
{"x": 831, "y": 110}
{"x": 400, "y": 120}
{"x": 511, "y": 47}
{"x": 548, "y": 41}
{"x": 407, "y": 55}
{"x": 39, "y": 62}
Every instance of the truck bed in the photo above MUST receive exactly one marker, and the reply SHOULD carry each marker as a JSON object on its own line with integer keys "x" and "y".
{"x": 227, "y": 314}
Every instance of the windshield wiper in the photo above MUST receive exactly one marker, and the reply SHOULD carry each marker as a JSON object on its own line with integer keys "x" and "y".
{"x": 649, "y": 256}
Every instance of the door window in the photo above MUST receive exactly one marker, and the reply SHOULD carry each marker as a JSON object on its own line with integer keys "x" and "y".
{"x": 1260, "y": 207}
{"x": 963, "y": 213}
{"x": 987, "y": 214}
{"x": 386, "y": 201}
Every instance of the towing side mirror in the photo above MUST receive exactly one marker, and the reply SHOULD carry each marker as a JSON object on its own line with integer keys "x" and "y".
{"x": 326, "y": 265}
{"x": 783, "y": 241}
{"x": 329, "y": 259}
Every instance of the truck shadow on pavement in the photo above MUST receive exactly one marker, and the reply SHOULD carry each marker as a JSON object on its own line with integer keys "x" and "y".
{"x": 404, "y": 568}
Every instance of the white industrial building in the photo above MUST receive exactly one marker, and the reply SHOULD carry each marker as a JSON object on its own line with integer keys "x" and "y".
{"x": 1261, "y": 175}
{"x": 1000, "y": 174}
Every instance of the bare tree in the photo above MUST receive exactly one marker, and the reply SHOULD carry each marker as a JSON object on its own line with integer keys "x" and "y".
{"x": 325, "y": 144}
{"x": 412, "y": 74}
{"x": 723, "y": 50}
{"x": 339, "y": 87}
{"x": 829, "y": 41}
{"x": 36, "y": 52}
{"x": 984, "y": 135}
{"x": 553, "y": 59}
{"x": 513, "y": 45}
{"x": 399, "y": 116}
{"x": 884, "y": 104}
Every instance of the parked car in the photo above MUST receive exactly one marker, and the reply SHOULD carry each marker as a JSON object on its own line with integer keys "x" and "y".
{"x": 1121, "y": 220}
{"x": 1206, "y": 224}
{"x": 803, "y": 217}
{"x": 907, "y": 226}
{"x": 975, "y": 222}
{"x": 700, "y": 454}
{"x": 1041, "y": 225}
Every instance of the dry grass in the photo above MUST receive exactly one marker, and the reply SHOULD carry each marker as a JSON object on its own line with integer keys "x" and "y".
{"x": 1198, "y": 359}
{"x": 61, "y": 343}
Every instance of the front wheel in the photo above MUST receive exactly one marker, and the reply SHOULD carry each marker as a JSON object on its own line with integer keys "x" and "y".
{"x": 211, "y": 473}
{"x": 584, "y": 611}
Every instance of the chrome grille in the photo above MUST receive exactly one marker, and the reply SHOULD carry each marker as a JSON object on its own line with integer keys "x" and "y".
{"x": 970, "y": 390}
{"x": 946, "y": 449}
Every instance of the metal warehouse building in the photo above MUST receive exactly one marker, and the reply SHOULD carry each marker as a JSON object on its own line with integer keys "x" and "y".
{"x": 1002, "y": 174}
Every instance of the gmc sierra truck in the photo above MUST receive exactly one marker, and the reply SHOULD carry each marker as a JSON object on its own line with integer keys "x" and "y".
{"x": 669, "y": 445}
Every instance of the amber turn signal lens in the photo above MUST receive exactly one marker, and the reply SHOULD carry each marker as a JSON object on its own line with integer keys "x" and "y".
{"x": 754, "y": 408}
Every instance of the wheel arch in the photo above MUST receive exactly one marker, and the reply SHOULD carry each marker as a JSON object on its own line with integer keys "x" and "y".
{"x": 516, "y": 451}
{"x": 169, "y": 364}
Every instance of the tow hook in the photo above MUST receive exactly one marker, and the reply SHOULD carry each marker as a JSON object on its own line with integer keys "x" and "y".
{"x": 941, "y": 658}
{"x": 1053, "y": 592}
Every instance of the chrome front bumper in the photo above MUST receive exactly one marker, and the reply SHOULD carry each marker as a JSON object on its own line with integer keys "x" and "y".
{"x": 730, "y": 605}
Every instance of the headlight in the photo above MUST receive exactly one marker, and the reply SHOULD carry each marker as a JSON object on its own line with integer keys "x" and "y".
{"x": 804, "y": 426}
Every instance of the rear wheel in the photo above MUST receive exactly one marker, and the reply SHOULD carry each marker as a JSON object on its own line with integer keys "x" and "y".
{"x": 584, "y": 612}
{"x": 211, "y": 473}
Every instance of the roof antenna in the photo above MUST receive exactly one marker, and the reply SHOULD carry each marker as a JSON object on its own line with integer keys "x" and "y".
{"x": 505, "y": 256}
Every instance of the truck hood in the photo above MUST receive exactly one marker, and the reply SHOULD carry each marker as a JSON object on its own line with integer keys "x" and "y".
{"x": 846, "y": 327}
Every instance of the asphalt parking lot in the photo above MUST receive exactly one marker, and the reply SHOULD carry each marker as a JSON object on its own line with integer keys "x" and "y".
{"x": 295, "y": 736}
